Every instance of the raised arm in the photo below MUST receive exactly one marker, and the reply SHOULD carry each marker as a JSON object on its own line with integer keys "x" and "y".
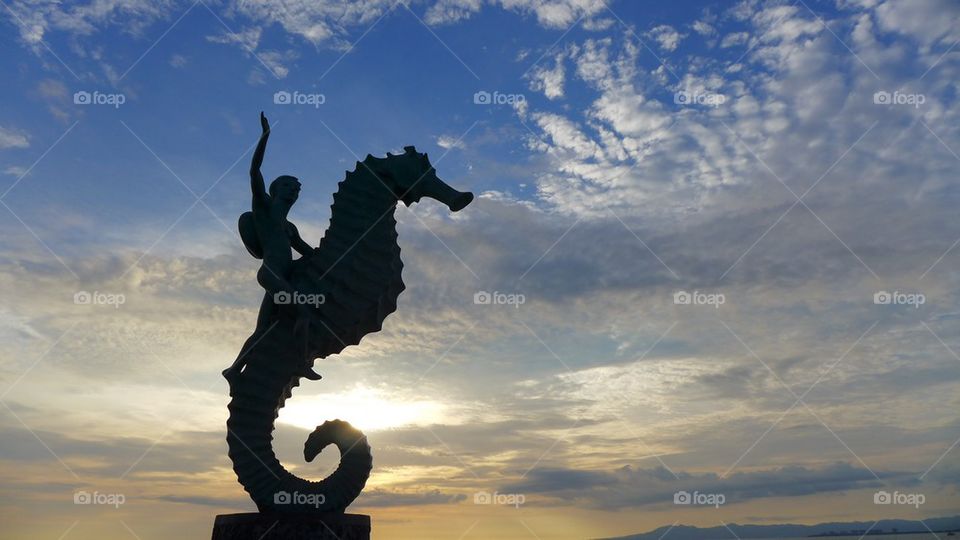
{"x": 256, "y": 178}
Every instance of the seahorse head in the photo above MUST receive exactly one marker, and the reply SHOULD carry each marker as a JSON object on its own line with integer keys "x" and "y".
{"x": 411, "y": 177}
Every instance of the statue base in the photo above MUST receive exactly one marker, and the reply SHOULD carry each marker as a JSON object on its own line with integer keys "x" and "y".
{"x": 257, "y": 526}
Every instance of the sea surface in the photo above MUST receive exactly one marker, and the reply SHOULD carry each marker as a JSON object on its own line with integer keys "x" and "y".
{"x": 912, "y": 536}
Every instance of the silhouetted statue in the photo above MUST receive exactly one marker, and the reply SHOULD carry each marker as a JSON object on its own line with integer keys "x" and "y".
{"x": 316, "y": 306}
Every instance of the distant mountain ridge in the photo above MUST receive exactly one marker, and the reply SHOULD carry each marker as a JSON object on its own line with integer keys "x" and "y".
{"x": 744, "y": 532}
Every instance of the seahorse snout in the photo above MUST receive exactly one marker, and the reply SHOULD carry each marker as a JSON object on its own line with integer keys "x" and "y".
{"x": 436, "y": 188}
{"x": 461, "y": 201}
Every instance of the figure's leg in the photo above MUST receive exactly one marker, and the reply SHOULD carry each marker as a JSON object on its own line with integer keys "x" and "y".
{"x": 301, "y": 333}
{"x": 272, "y": 276}
{"x": 269, "y": 277}
{"x": 263, "y": 322}
{"x": 267, "y": 312}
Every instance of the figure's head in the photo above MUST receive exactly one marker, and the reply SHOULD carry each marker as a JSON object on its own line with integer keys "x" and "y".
{"x": 411, "y": 176}
{"x": 285, "y": 189}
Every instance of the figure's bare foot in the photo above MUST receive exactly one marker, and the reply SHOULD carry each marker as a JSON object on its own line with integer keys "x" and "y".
{"x": 309, "y": 373}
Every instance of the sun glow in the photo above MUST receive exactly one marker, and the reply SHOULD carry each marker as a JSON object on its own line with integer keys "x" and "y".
{"x": 365, "y": 408}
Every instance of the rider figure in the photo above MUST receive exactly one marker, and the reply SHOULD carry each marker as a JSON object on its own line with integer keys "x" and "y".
{"x": 268, "y": 235}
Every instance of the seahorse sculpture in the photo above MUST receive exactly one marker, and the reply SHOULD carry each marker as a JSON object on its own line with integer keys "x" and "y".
{"x": 356, "y": 272}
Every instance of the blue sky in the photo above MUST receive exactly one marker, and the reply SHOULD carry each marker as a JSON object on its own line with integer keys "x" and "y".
{"x": 789, "y": 165}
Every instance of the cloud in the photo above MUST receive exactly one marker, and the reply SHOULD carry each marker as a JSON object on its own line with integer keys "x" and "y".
{"x": 599, "y": 299}
{"x": 733, "y": 39}
{"x": 666, "y": 36}
{"x": 52, "y": 89}
{"x": 634, "y": 143}
{"x": 567, "y": 137}
{"x": 181, "y": 454}
{"x": 928, "y": 22}
{"x": 452, "y": 11}
{"x": 34, "y": 20}
{"x": 276, "y": 62}
{"x": 12, "y": 138}
{"x": 219, "y": 502}
{"x": 449, "y": 141}
{"x": 598, "y": 24}
{"x": 376, "y": 498}
{"x": 248, "y": 38}
{"x": 178, "y": 60}
{"x": 559, "y": 14}
{"x": 549, "y": 80}
{"x": 704, "y": 28}
{"x": 629, "y": 487}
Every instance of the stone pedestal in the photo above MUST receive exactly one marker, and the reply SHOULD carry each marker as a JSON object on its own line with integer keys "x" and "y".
{"x": 256, "y": 526}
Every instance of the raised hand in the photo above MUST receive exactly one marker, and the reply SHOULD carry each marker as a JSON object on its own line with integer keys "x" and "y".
{"x": 264, "y": 125}
{"x": 256, "y": 178}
